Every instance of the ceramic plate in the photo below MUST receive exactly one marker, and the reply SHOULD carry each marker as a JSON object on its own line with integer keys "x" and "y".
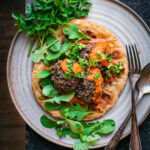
{"x": 126, "y": 25}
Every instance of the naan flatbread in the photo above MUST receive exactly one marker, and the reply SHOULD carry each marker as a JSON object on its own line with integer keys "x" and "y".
{"x": 113, "y": 89}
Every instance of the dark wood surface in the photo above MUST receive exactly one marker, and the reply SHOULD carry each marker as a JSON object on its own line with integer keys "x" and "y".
{"x": 12, "y": 127}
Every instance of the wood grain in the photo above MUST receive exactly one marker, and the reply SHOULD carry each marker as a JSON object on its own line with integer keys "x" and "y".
{"x": 12, "y": 127}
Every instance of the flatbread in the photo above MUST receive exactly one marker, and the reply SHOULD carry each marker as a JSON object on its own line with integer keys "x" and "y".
{"x": 112, "y": 89}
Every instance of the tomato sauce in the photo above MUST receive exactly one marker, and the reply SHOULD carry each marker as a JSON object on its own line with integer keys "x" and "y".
{"x": 76, "y": 67}
{"x": 48, "y": 68}
{"x": 98, "y": 82}
{"x": 75, "y": 100}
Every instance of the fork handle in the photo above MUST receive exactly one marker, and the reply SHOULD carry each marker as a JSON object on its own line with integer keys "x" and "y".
{"x": 135, "y": 142}
{"x": 116, "y": 138}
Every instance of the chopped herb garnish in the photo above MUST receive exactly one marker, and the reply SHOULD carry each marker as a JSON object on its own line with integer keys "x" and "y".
{"x": 71, "y": 71}
{"x": 117, "y": 68}
{"x": 74, "y": 49}
{"x": 108, "y": 57}
{"x": 97, "y": 75}
{"x": 108, "y": 73}
{"x": 114, "y": 68}
{"x": 83, "y": 63}
{"x": 93, "y": 62}
{"x": 80, "y": 75}
{"x": 100, "y": 55}
{"x": 67, "y": 75}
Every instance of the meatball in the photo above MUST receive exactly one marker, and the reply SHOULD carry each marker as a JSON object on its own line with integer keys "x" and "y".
{"x": 86, "y": 51}
{"x": 85, "y": 90}
{"x": 60, "y": 83}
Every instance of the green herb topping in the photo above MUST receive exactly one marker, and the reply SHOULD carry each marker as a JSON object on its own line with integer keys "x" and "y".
{"x": 45, "y": 16}
{"x": 108, "y": 57}
{"x": 83, "y": 132}
{"x": 93, "y": 62}
{"x": 97, "y": 75}
{"x": 73, "y": 32}
{"x": 114, "y": 68}
{"x": 100, "y": 55}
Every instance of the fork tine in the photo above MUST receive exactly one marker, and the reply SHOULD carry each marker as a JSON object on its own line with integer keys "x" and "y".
{"x": 128, "y": 55}
{"x": 132, "y": 59}
{"x": 136, "y": 63}
{"x": 138, "y": 58}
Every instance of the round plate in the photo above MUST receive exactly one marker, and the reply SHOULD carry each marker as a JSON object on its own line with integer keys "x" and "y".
{"x": 126, "y": 25}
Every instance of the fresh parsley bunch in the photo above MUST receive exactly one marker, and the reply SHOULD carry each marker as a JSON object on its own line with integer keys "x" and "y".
{"x": 44, "y": 17}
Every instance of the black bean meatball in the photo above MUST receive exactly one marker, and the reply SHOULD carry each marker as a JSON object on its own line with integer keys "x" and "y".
{"x": 86, "y": 51}
{"x": 61, "y": 83}
{"x": 85, "y": 90}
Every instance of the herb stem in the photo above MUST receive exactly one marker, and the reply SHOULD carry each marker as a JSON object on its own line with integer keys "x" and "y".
{"x": 38, "y": 44}
{"x": 31, "y": 45}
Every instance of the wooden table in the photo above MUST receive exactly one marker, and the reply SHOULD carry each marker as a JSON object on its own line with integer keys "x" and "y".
{"x": 12, "y": 126}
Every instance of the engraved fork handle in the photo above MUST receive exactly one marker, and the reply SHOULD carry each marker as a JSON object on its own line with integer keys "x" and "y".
{"x": 135, "y": 142}
{"x": 116, "y": 138}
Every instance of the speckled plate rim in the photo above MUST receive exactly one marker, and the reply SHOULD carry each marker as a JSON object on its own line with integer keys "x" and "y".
{"x": 19, "y": 109}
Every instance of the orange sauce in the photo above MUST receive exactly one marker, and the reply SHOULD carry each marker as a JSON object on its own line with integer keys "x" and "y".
{"x": 76, "y": 67}
{"x": 98, "y": 82}
{"x": 75, "y": 100}
{"x": 48, "y": 68}
{"x": 101, "y": 46}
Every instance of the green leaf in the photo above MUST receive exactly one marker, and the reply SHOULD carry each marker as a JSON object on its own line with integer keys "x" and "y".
{"x": 73, "y": 32}
{"x": 87, "y": 4}
{"x": 108, "y": 57}
{"x": 100, "y": 55}
{"x": 43, "y": 74}
{"x": 93, "y": 62}
{"x": 45, "y": 81}
{"x": 83, "y": 63}
{"x": 49, "y": 106}
{"x": 80, "y": 75}
{"x": 79, "y": 145}
{"x": 89, "y": 139}
{"x": 55, "y": 47}
{"x": 106, "y": 127}
{"x": 97, "y": 75}
{"x": 48, "y": 122}
{"x": 49, "y": 91}
{"x": 76, "y": 127}
{"x": 74, "y": 51}
{"x": 63, "y": 49}
{"x": 57, "y": 2}
{"x": 67, "y": 75}
{"x": 39, "y": 54}
{"x": 75, "y": 111}
{"x": 66, "y": 97}
{"x": 66, "y": 131}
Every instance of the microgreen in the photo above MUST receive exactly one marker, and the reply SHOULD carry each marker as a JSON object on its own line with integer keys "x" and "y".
{"x": 73, "y": 32}
{"x": 108, "y": 57}
{"x": 97, "y": 75}
{"x": 74, "y": 49}
{"x": 43, "y": 74}
{"x": 66, "y": 97}
{"x": 74, "y": 111}
{"x": 67, "y": 75}
{"x": 84, "y": 132}
{"x": 83, "y": 63}
{"x": 45, "y": 16}
{"x": 100, "y": 55}
{"x": 93, "y": 62}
